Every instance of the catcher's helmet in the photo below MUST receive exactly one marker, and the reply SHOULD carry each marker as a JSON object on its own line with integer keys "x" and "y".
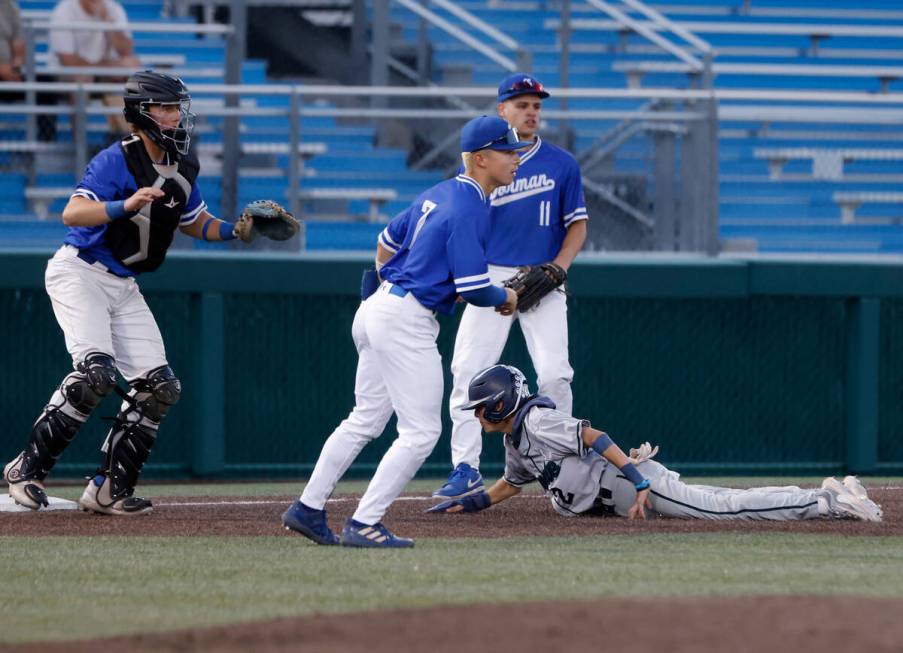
{"x": 148, "y": 87}
{"x": 494, "y": 384}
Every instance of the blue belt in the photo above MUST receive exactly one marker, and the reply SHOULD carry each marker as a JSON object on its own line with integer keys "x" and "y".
{"x": 398, "y": 291}
{"x": 87, "y": 258}
{"x": 90, "y": 260}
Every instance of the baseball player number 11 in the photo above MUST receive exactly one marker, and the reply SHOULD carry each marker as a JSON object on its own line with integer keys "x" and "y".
{"x": 545, "y": 214}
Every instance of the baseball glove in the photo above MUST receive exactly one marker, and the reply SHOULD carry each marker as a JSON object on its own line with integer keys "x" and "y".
{"x": 533, "y": 282}
{"x": 270, "y": 220}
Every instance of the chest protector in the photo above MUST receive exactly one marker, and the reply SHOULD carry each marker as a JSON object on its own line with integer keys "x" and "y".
{"x": 140, "y": 243}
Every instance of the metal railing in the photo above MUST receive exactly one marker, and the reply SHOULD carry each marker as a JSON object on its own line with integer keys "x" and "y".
{"x": 660, "y": 23}
{"x": 677, "y": 118}
{"x": 660, "y": 19}
{"x": 483, "y": 35}
{"x": 696, "y": 227}
{"x": 300, "y": 106}
{"x": 787, "y": 29}
{"x": 635, "y": 70}
{"x": 657, "y": 22}
{"x": 484, "y": 30}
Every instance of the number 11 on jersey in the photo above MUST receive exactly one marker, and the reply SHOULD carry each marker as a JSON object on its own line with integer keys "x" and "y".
{"x": 545, "y": 214}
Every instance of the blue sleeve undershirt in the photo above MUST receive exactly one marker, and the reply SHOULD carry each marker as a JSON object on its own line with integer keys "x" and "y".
{"x": 486, "y": 296}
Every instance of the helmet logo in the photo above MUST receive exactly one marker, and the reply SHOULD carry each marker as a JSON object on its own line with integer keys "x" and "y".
{"x": 518, "y": 381}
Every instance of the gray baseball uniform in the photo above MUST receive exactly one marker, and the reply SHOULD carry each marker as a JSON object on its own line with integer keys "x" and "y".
{"x": 548, "y": 448}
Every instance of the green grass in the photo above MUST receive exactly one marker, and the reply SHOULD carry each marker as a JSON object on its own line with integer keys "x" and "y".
{"x": 90, "y": 587}
{"x": 87, "y": 587}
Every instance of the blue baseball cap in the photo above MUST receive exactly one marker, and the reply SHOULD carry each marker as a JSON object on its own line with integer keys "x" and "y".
{"x": 490, "y": 133}
{"x": 521, "y": 84}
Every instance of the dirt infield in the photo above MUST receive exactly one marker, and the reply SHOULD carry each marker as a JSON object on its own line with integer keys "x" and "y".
{"x": 802, "y": 624}
{"x": 701, "y": 625}
{"x": 524, "y": 515}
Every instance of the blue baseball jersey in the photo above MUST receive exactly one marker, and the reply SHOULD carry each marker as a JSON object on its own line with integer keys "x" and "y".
{"x": 438, "y": 244}
{"x": 530, "y": 217}
{"x": 108, "y": 178}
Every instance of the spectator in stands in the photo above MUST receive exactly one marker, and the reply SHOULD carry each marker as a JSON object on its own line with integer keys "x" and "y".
{"x": 94, "y": 48}
{"x": 12, "y": 46}
{"x": 12, "y": 62}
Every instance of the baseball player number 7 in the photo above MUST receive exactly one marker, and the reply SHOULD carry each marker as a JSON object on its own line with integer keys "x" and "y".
{"x": 426, "y": 209}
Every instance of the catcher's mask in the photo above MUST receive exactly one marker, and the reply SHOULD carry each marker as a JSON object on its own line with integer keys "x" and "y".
{"x": 499, "y": 383}
{"x": 147, "y": 88}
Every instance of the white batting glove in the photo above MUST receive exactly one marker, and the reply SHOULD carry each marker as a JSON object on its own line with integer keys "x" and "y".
{"x": 645, "y": 452}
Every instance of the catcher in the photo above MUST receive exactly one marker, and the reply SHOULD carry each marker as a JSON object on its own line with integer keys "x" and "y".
{"x": 583, "y": 471}
{"x": 121, "y": 219}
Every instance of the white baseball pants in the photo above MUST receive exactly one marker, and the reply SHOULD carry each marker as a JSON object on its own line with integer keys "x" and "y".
{"x": 480, "y": 340}
{"x": 100, "y": 312}
{"x": 399, "y": 368}
{"x": 672, "y": 497}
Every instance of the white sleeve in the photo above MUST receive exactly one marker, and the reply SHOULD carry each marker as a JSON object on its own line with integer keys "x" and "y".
{"x": 16, "y": 20}
{"x": 558, "y": 431}
{"x": 62, "y": 41}
{"x": 120, "y": 18}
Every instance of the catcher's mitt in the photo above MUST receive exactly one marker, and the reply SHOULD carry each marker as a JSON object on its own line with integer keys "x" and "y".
{"x": 533, "y": 282}
{"x": 269, "y": 220}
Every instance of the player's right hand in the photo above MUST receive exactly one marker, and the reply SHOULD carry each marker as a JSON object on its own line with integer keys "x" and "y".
{"x": 244, "y": 229}
{"x": 638, "y": 508}
{"x": 141, "y": 197}
{"x": 510, "y": 304}
{"x": 471, "y": 503}
{"x": 451, "y": 505}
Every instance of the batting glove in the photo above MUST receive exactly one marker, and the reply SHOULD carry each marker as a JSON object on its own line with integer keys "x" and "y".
{"x": 472, "y": 503}
{"x": 645, "y": 452}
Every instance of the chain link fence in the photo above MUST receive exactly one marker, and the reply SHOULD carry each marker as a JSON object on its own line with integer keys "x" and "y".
{"x": 724, "y": 385}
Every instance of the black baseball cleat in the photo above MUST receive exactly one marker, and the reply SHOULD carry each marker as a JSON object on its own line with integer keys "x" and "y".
{"x": 309, "y": 522}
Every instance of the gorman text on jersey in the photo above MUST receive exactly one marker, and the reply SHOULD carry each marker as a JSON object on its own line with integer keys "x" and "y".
{"x": 521, "y": 188}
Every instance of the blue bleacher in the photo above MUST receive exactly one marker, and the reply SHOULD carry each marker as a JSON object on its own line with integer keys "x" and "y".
{"x": 793, "y": 212}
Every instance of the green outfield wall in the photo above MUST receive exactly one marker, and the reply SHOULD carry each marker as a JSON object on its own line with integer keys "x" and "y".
{"x": 732, "y": 366}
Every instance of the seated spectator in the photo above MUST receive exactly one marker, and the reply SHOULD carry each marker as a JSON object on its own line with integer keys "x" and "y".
{"x": 12, "y": 63}
{"x": 90, "y": 48}
{"x": 12, "y": 46}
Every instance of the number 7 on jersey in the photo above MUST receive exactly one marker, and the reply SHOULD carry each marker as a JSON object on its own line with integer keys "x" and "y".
{"x": 426, "y": 208}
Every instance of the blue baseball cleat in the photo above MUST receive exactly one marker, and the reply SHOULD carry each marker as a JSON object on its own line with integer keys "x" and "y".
{"x": 309, "y": 522}
{"x": 356, "y": 534}
{"x": 463, "y": 481}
